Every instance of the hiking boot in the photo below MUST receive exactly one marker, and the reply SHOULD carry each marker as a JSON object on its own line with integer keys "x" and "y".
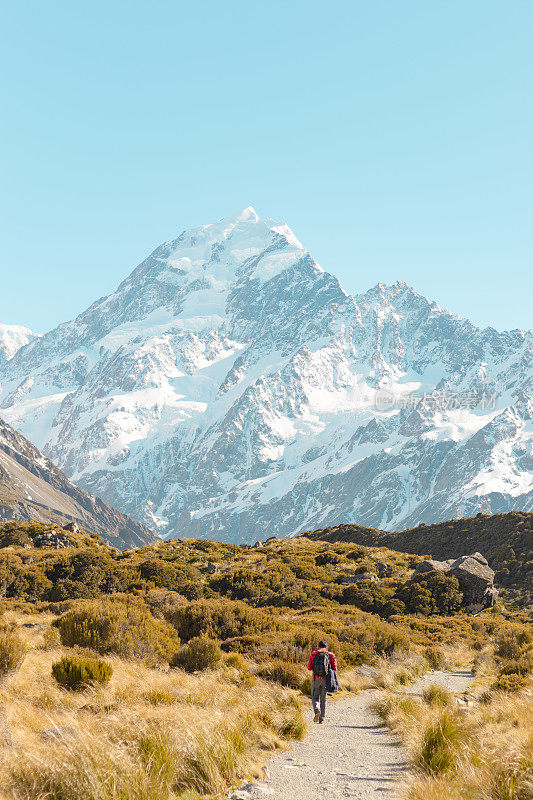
{"x": 320, "y": 721}
{"x": 317, "y": 717}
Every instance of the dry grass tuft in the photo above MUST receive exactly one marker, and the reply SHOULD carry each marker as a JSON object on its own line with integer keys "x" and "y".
{"x": 150, "y": 733}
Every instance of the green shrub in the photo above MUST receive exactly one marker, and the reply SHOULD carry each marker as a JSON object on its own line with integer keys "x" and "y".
{"x": 514, "y": 643}
{"x": 220, "y": 619}
{"x": 431, "y": 593}
{"x": 236, "y": 661}
{"x": 198, "y": 654}
{"x": 78, "y": 672}
{"x": 123, "y": 626}
{"x": 14, "y": 537}
{"x": 283, "y": 673}
{"x": 12, "y": 651}
{"x": 521, "y": 666}
{"x": 509, "y": 683}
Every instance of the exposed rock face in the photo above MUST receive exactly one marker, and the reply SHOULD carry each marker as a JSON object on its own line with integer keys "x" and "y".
{"x": 229, "y": 388}
{"x": 52, "y": 539}
{"x": 32, "y": 488}
{"x": 73, "y": 527}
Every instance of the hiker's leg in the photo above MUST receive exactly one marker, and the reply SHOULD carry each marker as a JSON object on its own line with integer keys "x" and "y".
{"x": 315, "y": 695}
{"x": 323, "y": 696}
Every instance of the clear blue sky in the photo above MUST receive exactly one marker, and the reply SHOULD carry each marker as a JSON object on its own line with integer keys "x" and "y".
{"x": 394, "y": 137}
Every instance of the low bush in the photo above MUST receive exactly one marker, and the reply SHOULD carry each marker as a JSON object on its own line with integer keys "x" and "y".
{"x": 220, "y": 619}
{"x": 199, "y": 654}
{"x": 237, "y": 661}
{"x": 514, "y": 643}
{"x": 12, "y": 651}
{"x": 284, "y": 673}
{"x": 431, "y": 593}
{"x": 78, "y": 672}
{"x": 123, "y": 626}
{"x": 511, "y": 682}
{"x": 521, "y": 666}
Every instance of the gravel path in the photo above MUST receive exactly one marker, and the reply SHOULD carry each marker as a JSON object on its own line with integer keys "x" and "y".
{"x": 351, "y": 755}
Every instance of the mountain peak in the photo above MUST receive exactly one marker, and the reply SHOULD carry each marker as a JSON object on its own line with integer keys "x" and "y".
{"x": 248, "y": 214}
{"x": 12, "y": 338}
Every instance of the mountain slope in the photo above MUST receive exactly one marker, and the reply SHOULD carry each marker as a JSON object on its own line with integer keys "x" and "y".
{"x": 32, "y": 488}
{"x": 12, "y": 338}
{"x": 230, "y": 388}
{"x": 506, "y": 540}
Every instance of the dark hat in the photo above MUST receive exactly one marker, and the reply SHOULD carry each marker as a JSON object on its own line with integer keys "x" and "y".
{"x": 322, "y": 644}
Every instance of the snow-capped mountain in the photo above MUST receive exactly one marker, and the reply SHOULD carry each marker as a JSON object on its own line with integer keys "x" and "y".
{"x": 230, "y": 388}
{"x": 12, "y": 338}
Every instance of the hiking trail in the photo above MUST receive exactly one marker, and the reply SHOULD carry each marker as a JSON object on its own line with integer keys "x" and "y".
{"x": 351, "y": 756}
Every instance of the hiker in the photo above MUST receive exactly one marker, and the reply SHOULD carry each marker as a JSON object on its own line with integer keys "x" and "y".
{"x": 323, "y": 664}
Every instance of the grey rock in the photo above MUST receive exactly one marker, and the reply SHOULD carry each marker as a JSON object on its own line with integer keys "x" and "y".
{"x": 73, "y": 527}
{"x": 367, "y": 671}
{"x": 429, "y": 566}
{"x": 475, "y": 577}
{"x": 362, "y": 576}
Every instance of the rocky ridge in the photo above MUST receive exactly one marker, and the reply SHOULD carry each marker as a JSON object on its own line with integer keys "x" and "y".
{"x": 32, "y": 488}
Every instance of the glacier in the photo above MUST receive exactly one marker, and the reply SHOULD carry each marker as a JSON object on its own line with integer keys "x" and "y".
{"x": 231, "y": 389}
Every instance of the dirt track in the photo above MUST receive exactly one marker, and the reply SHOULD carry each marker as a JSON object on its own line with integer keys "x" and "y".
{"x": 351, "y": 755}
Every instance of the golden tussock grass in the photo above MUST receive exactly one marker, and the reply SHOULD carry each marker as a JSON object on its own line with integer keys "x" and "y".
{"x": 150, "y": 733}
{"x": 481, "y": 752}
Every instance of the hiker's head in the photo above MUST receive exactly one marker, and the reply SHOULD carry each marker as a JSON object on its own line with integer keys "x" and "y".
{"x": 322, "y": 644}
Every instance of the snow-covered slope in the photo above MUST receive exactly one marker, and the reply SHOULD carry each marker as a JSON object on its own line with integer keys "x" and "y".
{"x": 32, "y": 488}
{"x": 230, "y": 388}
{"x": 12, "y": 338}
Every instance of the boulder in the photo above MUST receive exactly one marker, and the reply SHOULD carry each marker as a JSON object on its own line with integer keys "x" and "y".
{"x": 430, "y": 566}
{"x": 366, "y": 671}
{"x": 73, "y": 527}
{"x": 384, "y": 570}
{"x": 476, "y": 580}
